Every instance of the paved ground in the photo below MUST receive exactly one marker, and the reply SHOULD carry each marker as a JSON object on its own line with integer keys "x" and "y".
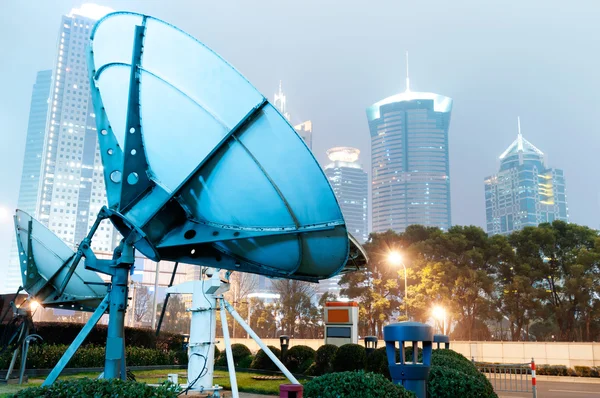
{"x": 557, "y": 389}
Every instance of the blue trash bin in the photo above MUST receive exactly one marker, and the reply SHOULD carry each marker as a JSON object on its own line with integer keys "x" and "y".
{"x": 408, "y": 372}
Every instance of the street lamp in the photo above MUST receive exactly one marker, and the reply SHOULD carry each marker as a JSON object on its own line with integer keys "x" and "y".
{"x": 439, "y": 313}
{"x": 395, "y": 258}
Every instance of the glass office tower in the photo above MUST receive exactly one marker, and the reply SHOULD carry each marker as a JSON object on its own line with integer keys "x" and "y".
{"x": 410, "y": 170}
{"x": 524, "y": 192}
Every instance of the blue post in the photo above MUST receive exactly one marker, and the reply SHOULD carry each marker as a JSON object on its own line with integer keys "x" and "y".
{"x": 115, "y": 339}
{"x": 441, "y": 338}
{"x": 409, "y": 372}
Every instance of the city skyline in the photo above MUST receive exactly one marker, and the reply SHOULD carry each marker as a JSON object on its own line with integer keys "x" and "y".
{"x": 333, "y": 87}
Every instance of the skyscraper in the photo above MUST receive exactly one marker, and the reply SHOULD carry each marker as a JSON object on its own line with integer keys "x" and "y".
{"x": 409, "y": 159}
{"x": 303, "y": 129}
{"x": 524, "y": 192}
{"x": 72, "y": 186}
{"x": 32, "y": 161}
{"x": 350, "y": 184}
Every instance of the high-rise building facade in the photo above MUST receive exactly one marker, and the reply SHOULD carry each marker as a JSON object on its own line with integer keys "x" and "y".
{"x": 32, "y": 161}
{"x": 350, "y": 184}
{"x": 524, "y": 192}
{"x": 410, "y": 174}
{"x": 303, "y": 129}
{"x": 72, "y": 184}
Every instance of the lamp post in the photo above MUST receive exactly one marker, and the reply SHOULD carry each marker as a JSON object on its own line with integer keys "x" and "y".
{"x": 395, "y": 258}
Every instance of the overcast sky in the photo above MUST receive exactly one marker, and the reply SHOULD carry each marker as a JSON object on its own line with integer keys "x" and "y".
{"x": 537, "y": 59}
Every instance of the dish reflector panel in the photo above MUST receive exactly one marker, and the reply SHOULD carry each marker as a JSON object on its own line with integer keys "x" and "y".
{"x": 44, "y": 258}
{"x": 199, "y": 166}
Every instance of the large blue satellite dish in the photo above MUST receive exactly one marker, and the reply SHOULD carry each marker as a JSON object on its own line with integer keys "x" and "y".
{"x": 45, "y": 260}
{"x": 199, "y": 167}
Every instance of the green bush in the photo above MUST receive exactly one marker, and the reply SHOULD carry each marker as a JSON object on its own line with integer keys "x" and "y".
{"x": 239, "y": 351}
{"x": 217, "y": 353}
{"x": 377, "y": 362}
{"x": 242, "y": 356}
{"x": 452, "y": 354}
{"x": 43, "y": 356}
{"x": 86, "y": 388}
{"x": 59, "y": 333}
{"x": 583, "y": 371}
{"x": 354, "y": 385}
{"x": 262, "y": 360}
{"x": 552, "y": 370}
{"x": 324, "y": 359}
{"x": 349, "y": 357}
{"x": 448, "y": 359}
{"x": 446, "y": 382}
{"x": 299, "y": 358}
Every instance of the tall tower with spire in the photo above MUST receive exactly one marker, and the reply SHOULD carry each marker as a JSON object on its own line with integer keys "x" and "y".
{"x": 410, "y": 160}
{"x": 524, "y": 192}
{"x": 303, "y": 129}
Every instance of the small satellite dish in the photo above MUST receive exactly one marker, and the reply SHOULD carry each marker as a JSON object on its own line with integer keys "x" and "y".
{"x": 199, "y": 167}
{"x": 45, "y": 260}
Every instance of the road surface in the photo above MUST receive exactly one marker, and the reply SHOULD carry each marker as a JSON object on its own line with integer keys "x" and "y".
{"x": 557, "y": 389}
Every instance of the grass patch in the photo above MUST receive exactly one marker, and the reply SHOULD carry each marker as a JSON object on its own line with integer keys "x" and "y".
{"x": 244, "y": 380}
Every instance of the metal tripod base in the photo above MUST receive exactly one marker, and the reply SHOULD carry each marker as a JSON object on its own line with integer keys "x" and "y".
{"x": 116, "y": 303}
{"x": 206, "y": 293}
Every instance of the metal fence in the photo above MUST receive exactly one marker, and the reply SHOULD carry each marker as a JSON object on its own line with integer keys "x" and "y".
{"x": 517, "y": 377}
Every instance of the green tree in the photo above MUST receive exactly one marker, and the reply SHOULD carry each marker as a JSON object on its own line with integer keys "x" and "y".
{"x": 456, "y": 270}
{"x": 298, "y": 313}
{"x": 571, "y": 265}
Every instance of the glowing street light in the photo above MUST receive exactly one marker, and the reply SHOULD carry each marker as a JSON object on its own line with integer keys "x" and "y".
{"x": 395, "y": 258}
{"x": 33, "y": 305}
{"x": 439, "y": 313}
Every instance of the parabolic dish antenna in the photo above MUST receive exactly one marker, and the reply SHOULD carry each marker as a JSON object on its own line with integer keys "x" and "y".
{"x": 45, "y": 260}
{"x": 199, "y": 167}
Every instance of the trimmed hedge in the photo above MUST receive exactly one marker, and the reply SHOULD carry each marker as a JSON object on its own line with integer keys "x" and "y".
{"x": 242, "y": 356}
{"x": 46, "y": 356}
{"x": 324, "y": 359}
{"x": 299, "y": 358}
{"x": 86, "y": 388}
{"x": 447, "y": 359}
{"x": 58, "y": 333}
{"x": 354, "y": 385}
{"x": 446, "y": 382}
{"x": 349, "y": 357}
{"x": 262, "y": 360}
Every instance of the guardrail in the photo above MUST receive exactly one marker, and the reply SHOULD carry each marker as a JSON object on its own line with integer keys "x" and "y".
{"x": 517, "y": 377}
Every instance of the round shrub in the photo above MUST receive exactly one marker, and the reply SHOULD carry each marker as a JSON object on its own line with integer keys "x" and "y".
{"x": 85, "y": 387}
{"x": 446, "y": 382}
{"x": 239, "y": 351}
{"x": 324, "y": 359}
{"x": 354, "y": 385}
{"x": 299, "y": 358}
{"x": 242, "y": 356}
{"x": 376, "y": 362}
{"x": 217, "y": 353}
{"x": 262, "y": 360}
{"x": 349, "y": 357}
{"x": 449, "y": 359}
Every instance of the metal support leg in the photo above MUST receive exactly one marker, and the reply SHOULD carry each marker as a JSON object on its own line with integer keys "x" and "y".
{"x": 252, "y": 334}
{"x": 116, "y": 325}
{"x": 230, "y": 364}
{"x": 64, "y": 360}
{"x": 12, "y": 364}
